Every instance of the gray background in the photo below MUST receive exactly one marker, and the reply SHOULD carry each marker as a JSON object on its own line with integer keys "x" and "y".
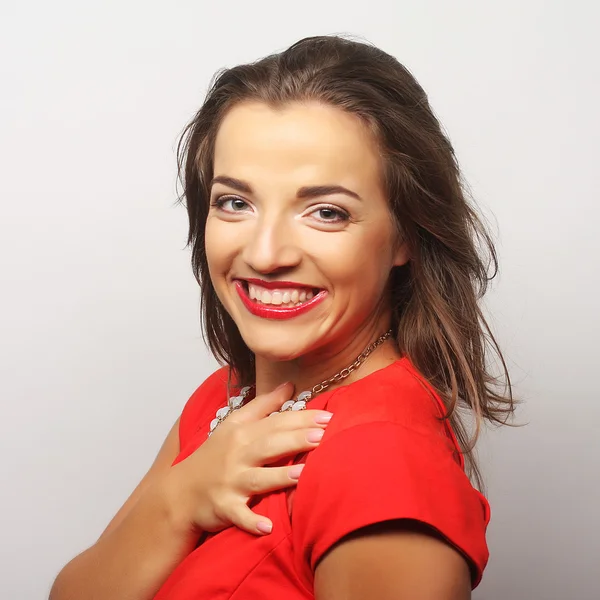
{"x": 100, "y": 338}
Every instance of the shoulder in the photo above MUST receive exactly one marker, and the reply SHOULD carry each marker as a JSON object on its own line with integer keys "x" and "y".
{"x": 388, "y": 454}
{"x": 397, "y": 394}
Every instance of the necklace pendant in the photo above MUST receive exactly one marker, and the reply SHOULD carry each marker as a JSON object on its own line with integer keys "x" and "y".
{"x": 235, "y": 402}
{"x": 298, "y": 404}
{"x": 223, "y": 412}
{"x": 301, "y": 400}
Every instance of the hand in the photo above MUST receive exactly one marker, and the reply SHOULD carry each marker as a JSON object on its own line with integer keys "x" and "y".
{"x": 216, "y": 482}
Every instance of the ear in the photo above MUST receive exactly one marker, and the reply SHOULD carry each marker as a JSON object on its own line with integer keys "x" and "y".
{"x": 401, "y": 254}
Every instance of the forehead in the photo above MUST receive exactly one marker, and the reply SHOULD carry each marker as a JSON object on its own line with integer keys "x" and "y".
{"x": 307, "y": 142}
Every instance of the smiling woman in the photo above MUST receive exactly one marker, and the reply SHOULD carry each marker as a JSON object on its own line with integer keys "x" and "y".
{"x": 340, "y": 267}
{"x": 313, "y": 214}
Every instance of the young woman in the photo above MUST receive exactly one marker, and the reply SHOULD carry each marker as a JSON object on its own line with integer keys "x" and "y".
{"x": 340, "y": 265}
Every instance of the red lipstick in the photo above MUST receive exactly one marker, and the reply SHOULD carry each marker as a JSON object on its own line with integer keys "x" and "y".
{"x": 276, "y": 285}
{"x": 273, "y": 311}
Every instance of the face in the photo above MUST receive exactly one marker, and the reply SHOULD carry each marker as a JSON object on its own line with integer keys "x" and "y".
{"x": 299, "y": 240}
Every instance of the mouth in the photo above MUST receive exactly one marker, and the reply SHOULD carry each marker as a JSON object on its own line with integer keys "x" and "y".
{"x": 279, "y": 299}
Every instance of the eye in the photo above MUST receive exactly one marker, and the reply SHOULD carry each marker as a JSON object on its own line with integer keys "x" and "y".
{"x": 330, "y": 214}
{"x": 230, "y": 204}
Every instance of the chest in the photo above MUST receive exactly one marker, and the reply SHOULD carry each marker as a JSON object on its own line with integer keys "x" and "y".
{"x": 235, "y": 565}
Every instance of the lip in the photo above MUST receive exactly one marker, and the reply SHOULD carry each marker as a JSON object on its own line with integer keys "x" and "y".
{"x": 276, "y": 285}
{"x": 277, "y": 312}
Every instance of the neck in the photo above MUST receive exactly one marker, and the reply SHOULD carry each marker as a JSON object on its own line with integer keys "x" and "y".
{"x": 314, "y": 367}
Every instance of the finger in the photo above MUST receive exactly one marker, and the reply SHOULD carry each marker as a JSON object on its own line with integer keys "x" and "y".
{"x": 279, "y": 444}
{"x": 262, "y": 480}
{"x": 265, "y": 404}
{"x": 249, "y": 521}
{"x": 291, "y": 420}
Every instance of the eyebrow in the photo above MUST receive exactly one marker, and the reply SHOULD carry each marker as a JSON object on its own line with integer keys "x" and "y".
{"x": 313, "y": 191}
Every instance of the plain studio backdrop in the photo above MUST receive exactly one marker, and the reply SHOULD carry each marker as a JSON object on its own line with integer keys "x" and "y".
{"x": 100, "y": 336}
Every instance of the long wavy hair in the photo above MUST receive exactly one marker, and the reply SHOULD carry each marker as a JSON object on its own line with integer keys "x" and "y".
{"x": 437, "y": 318}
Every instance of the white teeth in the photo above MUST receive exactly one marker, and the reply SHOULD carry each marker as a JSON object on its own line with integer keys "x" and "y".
{"x": 285, "y": 297}
{"x": 276, "y": 298}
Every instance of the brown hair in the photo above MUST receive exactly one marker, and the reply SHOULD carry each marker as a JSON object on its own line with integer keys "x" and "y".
{"x": 437, "y": 319}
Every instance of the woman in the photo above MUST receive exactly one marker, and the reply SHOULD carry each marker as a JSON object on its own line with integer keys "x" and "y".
{"x": 340, "y": 269}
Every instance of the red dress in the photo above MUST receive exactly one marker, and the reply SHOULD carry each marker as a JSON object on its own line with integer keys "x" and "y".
{"x": 386, "y": 454}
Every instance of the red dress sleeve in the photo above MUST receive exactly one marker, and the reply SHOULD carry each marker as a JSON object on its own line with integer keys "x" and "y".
{"x": 383, "y": 470}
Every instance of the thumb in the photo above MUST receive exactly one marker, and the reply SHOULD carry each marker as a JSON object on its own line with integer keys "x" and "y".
{"x": 265, "y": 404}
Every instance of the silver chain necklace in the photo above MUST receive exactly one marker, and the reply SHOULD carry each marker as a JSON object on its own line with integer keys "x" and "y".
{"x": 236, "y": 402}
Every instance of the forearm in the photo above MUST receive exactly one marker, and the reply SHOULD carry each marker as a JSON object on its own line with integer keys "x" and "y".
{"x": 132, "y": 561}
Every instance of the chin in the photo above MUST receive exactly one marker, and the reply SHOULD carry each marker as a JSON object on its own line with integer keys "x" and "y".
{"x": 275, "y": 350}
{"x": 280, "y": 341}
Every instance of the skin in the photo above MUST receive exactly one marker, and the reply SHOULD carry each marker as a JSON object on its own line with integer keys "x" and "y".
{"x": 399, "y": 561}
{"x": 161, "y": 522}
{"x": 261, "y": 225}
{"x": 271, "y": 233}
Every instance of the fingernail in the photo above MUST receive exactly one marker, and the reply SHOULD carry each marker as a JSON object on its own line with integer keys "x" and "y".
{"x": 282, "y": 385}
{"x": 315, "y": 435}
{"x": 264, "y": 527}
{"x": 323, "y": 418}
{"x": 294, "y": 471}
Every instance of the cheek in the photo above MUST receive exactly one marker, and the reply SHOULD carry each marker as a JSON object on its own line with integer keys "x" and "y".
{"x": 359, "y": 268}
{"x": 211, "y": 249}
{"x": 218, "y": 247}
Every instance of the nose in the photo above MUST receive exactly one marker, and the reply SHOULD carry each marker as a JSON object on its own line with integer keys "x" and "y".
{"x": 271, "y": 247}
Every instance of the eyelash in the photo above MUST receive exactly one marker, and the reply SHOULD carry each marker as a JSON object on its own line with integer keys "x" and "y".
{"x": 222, "y": 200}
{"x": 343, "y": 216}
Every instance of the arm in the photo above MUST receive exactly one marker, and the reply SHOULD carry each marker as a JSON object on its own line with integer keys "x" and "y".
{"x": 160, "y": 523}
{"x": 397, "y": 560}
{"x": 362, "y": 480}
{"x": 141, "y": 546}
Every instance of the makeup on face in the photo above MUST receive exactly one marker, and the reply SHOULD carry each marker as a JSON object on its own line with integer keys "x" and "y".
{"x": 278, "y": 299}
{"x": 299, "y": 238}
